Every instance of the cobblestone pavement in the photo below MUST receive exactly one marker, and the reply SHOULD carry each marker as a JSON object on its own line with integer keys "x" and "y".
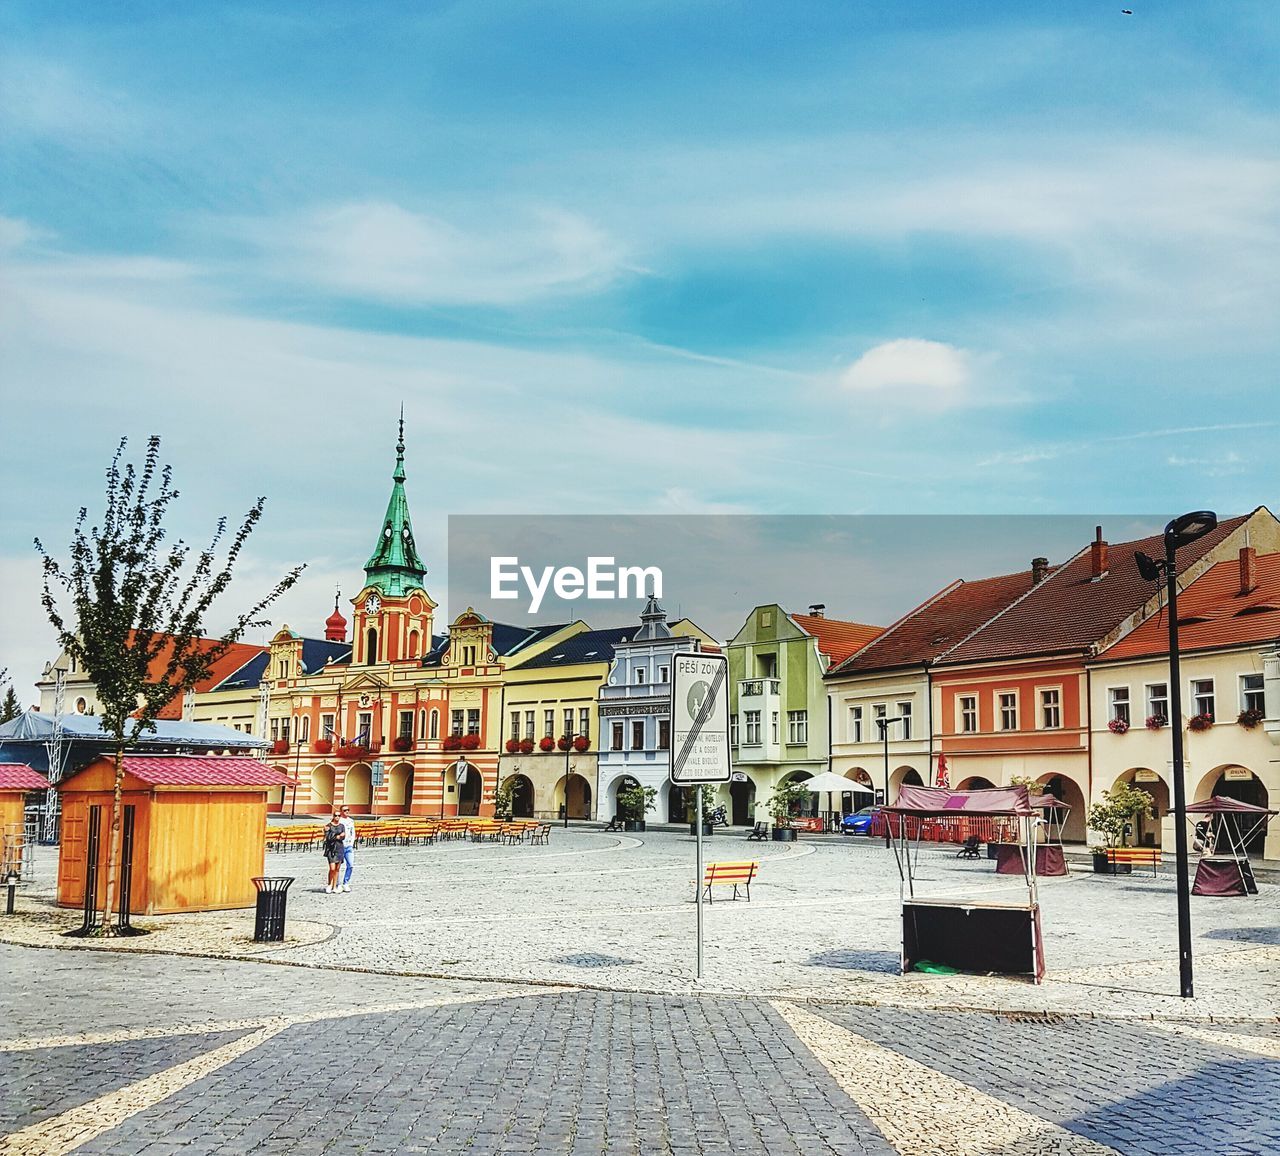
{"x": 616, "y": 912}
{"x": 167, "y": 1055}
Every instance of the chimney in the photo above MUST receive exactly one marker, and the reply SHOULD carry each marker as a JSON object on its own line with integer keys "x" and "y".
{"x": 1248, "y": 569}
{"x": 818, "y": 610}
{"x": 1039, "y": 569}
{"x": 1097, "y": 556}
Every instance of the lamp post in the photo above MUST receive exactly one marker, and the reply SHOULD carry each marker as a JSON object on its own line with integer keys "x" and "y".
{"x": 569, "y": 736}
{"x": 884, "y": 724}
{"x": 1180, "y": 532}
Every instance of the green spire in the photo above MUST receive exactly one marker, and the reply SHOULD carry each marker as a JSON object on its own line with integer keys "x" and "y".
{"x": 394, "y": 567}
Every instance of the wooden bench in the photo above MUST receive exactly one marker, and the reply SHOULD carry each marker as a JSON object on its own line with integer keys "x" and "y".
{"x": 730, "y": 874}
{"x": 759, "y": 831}
{"x": 1135, "y": 857}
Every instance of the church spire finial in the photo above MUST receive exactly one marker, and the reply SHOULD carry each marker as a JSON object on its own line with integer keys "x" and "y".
{"x": 398, "y": 476}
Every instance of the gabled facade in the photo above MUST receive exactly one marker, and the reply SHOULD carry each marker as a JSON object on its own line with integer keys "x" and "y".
{"x": 778, "y": 701}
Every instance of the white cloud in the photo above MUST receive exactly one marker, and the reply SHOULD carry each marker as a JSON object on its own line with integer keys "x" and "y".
{"x": 17, "y": 234}
{"x": 382, "y": 251}
{"x": 910, "y": 363}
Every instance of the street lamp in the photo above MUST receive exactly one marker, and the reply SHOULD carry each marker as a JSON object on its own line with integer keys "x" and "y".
{"x": 1180, "y": 532}
{"x": 568, "y": 750}
{"x": 884, "y": 723}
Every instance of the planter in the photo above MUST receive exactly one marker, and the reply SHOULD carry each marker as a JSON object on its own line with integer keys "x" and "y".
{"x": 633, "y": 824}
{"x": 784, "y": 835}
{"x": 707, "y": 829}
{"x": 1102, "y": 867}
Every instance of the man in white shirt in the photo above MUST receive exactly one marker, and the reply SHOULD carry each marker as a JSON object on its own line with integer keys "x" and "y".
{"x": 348, "y": 846}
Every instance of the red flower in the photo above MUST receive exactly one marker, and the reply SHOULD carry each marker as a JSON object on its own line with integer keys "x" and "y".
{"x": 1118, "y": 726}
{"x": 469, "y": 743}
{"x": 513, "y": 745}
{"x": 452, "y": 742}
{"x": 562, "y": 743}
{"x": 322, "y": 746}
{"x": 403, "y": 743}
{"x": 1156, "y": 721}
{"x": 526, "y": 746}
{"x": 280, "y": 747}
{"x": 1199, "y": 722}
{"x": 581, "y": 743}
{"x": 546, "y": 743}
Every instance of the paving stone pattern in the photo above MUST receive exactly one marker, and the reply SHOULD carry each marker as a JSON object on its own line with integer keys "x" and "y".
{"x": 1138, "y": 1090}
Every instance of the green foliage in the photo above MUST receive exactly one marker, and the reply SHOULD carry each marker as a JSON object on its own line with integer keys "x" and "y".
{"x": 1118, "y": 810}
{"x": 787, "y": 798}
{"x": 10, "y": 708}
{"x": 634, "y": 801}
{"x": 502, "y": 798}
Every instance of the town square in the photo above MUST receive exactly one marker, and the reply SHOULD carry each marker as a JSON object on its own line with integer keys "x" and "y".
{"x": 639, "y": 579}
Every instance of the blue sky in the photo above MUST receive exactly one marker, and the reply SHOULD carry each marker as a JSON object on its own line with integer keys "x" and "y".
{"x": 633, "y": 257}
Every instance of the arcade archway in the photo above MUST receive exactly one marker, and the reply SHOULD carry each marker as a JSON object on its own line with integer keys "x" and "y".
{"x": 1240, "y": 783}
{"x": 357, "y": 788}
{"x": 574, "y": 794}
{"x": 1074, "y": 829}
{"x": 521, "y": 796}
{"x": 322, "y": 788}
{"x": 399, "y": 790}
{"x": 742, "y": 802}
{"x": 1147, "y": 830}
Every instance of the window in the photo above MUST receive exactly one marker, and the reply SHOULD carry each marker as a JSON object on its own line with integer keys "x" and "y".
{"x": 797, "y": 726}
{"x": 284, "y": 729}
{"x": 1202, "y": 695}
{"x": 637, "y": 734}
{"x": 733, "y": 730}
{"x": 568, "y": 721}
{"x": 275, "y": 730}
{"x": 364, "y": 728}
{"x": 371, "y": 646}
{"x": 1251, "y": 693}
{"x": 773, "y": 727}
{"x": 1009, "y": 710}
{"x": 1051, "y": 708}
{"x": 1158, "y": 700}
{"x": 304, "y": 729}
{"x": 639, "y": 676}
{"x": 615, "y": 739}
{"x": 753, "y": 727}
{"x": 515, "y": 725}
{"x": 282, "y": 668}
{"x": 584, "y": 722}
{"x": 880, "y": 710}
{"x": 455, "y": 723}
{"x": 528, "y": 724}
{"x": 767, "y": 665}
{"x": 1118, "y": 704}
{"x": 968, "y": 712}
{"x": 435, "y": 724}
{"x": 473, "y": 722}
{"x": 549, "y": 724}
{"x": 406, "y": 724}
{"x": 468, "y": 656}
{"x": 855, "y": 724}
{"x": 904, "y": 727}
{"x": 664, "y": 674}
{"x": 326, "y": 726}
{"x": 664, "y": 734}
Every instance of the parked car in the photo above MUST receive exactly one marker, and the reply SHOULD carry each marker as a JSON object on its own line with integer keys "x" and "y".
{"x": 859, "y": 823}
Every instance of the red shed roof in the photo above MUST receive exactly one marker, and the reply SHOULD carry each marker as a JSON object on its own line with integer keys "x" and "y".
{"x": 20, "y": 777}
{"x": 200, "y": 771}
{"x": 1212, "y": 614}
{"x": 1070, "y": 610}
{"x": 836, "y": 639}
{"x": 944, "y": 620}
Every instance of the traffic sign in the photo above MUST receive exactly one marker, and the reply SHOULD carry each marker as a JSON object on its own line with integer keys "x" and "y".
{"x": 700, "y": 719}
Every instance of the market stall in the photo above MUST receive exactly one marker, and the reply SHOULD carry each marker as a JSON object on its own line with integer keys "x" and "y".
{"x": 1050, "y": 860}
{"x": 970, "y": 934}
{"x": 1222, "y": 831}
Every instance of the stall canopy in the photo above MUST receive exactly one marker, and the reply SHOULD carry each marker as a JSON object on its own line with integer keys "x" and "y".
{"x": 940, "y": 801}
{"x": 1220, "y": 805}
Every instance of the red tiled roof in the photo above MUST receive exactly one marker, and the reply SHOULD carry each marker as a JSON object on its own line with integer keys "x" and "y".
{"x": 197, "y": 771}
{"x": 836, "y": 639}
{"x": 1212, "y": 613}
{"x": 1069, "y": 611}
{"x": 944, "y": 620}
{"x": 20, "y": 777}
{"x": 237, "y": 655}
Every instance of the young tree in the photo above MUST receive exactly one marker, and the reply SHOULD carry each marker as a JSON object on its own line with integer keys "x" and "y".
{"x": 137, "y": 604}
{"x": 10, "y": 708}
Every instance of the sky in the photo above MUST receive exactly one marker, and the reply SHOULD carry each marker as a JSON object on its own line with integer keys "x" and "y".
{"x": 630, "y": 257}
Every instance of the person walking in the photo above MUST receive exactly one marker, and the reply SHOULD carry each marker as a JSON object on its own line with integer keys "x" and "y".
{"x": 348, "y": 846}
{"x": 334, "y": 837}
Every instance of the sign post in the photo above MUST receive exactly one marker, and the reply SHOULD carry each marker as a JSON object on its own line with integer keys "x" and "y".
{"x": 699, "y": 741}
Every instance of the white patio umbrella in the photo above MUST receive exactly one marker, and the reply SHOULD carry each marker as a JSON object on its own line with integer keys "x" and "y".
{"x": 833, "y": 784}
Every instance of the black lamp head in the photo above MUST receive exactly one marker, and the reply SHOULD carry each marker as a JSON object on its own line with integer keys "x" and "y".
{"x": 1147, "y": 566}
{"x": 1186, "y": 529}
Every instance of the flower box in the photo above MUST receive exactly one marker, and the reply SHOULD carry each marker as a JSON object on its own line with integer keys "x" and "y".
{"x": 562, "y": 743}
{"x": 581, "y": 743}
{"x": 1199, "y": 722}
{"x": 280, "y": 747}
{"x": 1156, "y": 722}
{"x": 402, "y": 743}
{"x": 546, "y": 744}
{"x": 469, "y": 743}
{"x": 452, "y": 742}
{"x": 1118, "y": 726}
{"x": 354, "y": 752}
{"x": 513, "y": 746}
{"x": 322, "y": 746}
{"x": 526, "y": 746}
{"x": 1250, "y": 718}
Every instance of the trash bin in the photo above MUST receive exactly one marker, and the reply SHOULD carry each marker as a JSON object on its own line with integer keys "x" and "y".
{"x": 273, "y": 896}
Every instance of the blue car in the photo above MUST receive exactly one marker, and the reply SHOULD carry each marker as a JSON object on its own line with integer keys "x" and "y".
{"x": 859, "y": 823}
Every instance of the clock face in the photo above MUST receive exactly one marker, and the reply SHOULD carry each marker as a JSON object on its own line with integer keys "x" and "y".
{"x": 373, "y": 605}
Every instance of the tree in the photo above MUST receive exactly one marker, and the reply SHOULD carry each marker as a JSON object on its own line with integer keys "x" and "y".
{"x": 1114, "y": 815}
{"x": 135, "y": 622}
{"x": 10, "y": 708}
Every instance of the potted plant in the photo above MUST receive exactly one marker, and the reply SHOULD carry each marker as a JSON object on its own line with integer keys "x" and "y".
{"x": 1113, "y": 818}
{"x": 452, "y": 742}
{"x": 786, "y": 798}
{"x": 562, "y": 743}
{"x": 1156, "y": 722}
{"x": 513, "y": 746}
{"x": 1200, "y": 722}
{"x": 708, "y": 810}
{"x": 546, "y": 744}
{"x": 469, "y": 743}
{"x": 502, "y": 798}
{"x": 403, "y": 743}
{"x": 280, "y": 747}
{"x": 634, "y": 801}
{"x": 526, "y": 746}
{"x": 1118, "y": 726}
{"x": 1250, "y": 718}
{"x": 322, "y": 746}
{"x": 581, "y": 743}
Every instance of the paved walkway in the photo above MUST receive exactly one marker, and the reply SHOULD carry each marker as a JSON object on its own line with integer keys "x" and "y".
{"x": 138, "y": 1054}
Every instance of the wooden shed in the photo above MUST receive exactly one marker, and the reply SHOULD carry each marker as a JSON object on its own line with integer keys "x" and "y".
{"x": 17, "y": 780}
{"x": 194, "y": 830}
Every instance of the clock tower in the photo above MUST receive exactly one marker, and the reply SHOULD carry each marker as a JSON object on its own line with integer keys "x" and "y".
{"x": 393, "y": 611}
